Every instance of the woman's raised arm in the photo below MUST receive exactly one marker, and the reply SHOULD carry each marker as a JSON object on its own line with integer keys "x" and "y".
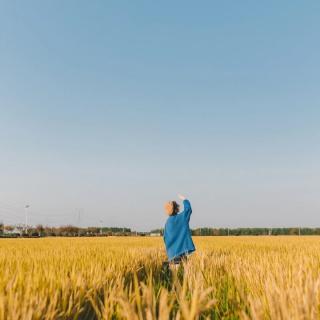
{"x": 187, "y": 210}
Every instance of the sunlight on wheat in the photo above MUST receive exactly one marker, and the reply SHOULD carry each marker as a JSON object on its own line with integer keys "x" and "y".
{"x": 122, "y": 278}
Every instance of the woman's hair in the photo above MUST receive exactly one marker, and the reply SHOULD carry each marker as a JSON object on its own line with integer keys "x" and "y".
{"x": 171, "y": 208}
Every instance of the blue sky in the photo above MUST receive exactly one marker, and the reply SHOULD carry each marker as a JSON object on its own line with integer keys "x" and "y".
{"x": 111, "y": 108}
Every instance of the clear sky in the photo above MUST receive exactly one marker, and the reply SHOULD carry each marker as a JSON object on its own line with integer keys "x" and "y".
{"x": 110, "y": 108}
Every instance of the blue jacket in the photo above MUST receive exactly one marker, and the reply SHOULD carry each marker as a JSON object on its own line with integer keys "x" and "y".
{"x": 177, "y": 234}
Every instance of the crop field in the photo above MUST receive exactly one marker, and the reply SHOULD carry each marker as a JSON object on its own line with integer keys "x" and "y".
{"x": 123, "y": 278}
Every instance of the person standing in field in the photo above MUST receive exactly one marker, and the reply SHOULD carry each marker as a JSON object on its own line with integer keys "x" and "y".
{"x": 177, "y": 233}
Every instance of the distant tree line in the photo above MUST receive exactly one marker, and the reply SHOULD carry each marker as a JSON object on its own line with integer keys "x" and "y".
{"x": 115, "y": 230}
{"x": 73, "y": 231}
{"x": 254, "y": 231}
{"x": 249, "y": 231}
{"x": 63, "y": 231}
{"x": 159, "y": 231}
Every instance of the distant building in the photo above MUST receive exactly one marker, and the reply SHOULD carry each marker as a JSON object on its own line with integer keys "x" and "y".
{"x": 13, "y": 231}
{"x": 155, "y": 234}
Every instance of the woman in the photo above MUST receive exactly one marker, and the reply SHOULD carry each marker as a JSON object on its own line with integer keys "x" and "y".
{"x": 177, "y": 234}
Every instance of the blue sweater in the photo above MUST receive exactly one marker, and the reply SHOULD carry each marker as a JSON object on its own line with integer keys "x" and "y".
{"x": 177, "y": 234}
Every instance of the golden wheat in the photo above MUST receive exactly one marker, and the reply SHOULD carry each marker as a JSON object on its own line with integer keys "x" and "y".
{"x": 123, "y": 278}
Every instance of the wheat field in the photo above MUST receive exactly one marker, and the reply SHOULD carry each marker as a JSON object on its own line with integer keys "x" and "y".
{"x": 123, "y": 278}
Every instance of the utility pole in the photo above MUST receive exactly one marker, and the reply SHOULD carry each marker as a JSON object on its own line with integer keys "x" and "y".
{"x": 79, "y": 222}
{"x": 79, "y": 217}
{"x": 26, "y": 217}
{"x": 101, "y": 226}
{"x": 228, "y": 231}
{"x": 299, "y": 231}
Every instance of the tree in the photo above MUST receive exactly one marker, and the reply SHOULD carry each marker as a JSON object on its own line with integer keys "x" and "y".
{"x": 40, "y": 230}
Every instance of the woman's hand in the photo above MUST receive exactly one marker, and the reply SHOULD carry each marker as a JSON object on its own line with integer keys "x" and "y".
{"x": 180, "y": 196}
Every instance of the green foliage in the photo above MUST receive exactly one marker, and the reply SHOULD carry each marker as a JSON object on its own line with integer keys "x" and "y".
{"x": 254, "y": 231}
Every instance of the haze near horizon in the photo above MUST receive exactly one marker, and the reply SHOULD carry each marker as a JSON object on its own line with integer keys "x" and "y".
{"x": 109, "y": 109}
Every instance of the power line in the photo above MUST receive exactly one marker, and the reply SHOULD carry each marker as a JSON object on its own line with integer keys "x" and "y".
{"x": 15, "y": 206}
{"x": 8, "y": 220}
{"x": 6, "y": 212}
{"x": 26, "y": 215}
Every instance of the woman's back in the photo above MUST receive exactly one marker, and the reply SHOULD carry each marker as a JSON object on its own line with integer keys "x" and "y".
{"x": 177, "y": 234}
